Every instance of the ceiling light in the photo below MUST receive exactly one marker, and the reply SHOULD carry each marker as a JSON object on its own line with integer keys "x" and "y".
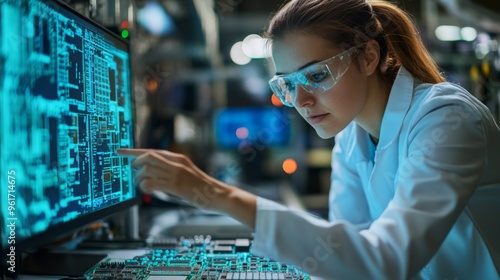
{"x": 448, "y": 33}
{"x": 468, "y": 34}
{"x": 255, "y": 46}
{"x": 237, "y": 55}
{"x": 155, "y": 19}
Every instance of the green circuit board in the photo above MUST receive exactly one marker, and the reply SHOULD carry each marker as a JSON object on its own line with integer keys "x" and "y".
{"x": 191, "y": 259}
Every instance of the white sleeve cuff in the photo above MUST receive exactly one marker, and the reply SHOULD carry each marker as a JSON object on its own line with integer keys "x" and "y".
{"x": 265, "y": 223}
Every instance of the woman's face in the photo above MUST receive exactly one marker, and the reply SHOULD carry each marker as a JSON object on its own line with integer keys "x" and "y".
{"x": 331, "y": 111}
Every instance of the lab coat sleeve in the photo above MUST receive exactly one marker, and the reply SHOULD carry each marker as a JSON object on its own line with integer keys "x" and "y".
{"x": 434, "y": 182}
{"x": 347, "y": 199}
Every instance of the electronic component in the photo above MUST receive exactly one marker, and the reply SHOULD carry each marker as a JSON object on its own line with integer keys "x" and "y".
{"x": 198, "y": 259}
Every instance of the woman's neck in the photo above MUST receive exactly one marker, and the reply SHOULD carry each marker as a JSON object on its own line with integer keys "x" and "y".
{"x": 370, "y": 119}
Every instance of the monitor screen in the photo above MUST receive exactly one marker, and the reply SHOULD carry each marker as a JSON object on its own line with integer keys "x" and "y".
{"x": 263, "y": 126}
{"x": 66, "y": 106}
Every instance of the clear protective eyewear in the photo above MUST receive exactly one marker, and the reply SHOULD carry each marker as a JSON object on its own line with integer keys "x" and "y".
{"x": 316, "y": 78}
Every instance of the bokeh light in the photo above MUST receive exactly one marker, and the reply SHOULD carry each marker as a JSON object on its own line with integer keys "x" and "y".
{"x": 289, "y": 166}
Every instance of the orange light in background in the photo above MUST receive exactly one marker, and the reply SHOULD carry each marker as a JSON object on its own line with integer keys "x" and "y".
{"x": 152, "y": 85}
{"x": 474, "y": 73}
{"x": 289, "y": 166}
{"x": 242, "y": 133}
{"x": 276, "y": 101}
{"x": 486, "y": 68}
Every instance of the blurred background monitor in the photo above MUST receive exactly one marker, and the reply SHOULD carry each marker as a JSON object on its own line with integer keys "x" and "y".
{"x": 239, "y": 126}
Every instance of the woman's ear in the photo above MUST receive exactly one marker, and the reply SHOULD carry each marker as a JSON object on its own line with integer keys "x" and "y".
{"x": 371, "y": 57}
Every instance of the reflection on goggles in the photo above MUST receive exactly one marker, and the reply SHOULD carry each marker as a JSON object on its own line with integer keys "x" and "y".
{"x": 316, "y": 78}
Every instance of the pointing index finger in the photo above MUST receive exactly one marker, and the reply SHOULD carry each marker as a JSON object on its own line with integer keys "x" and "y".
{"x": 131, "y": 152}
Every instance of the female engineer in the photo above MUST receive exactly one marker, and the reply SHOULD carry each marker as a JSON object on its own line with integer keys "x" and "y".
{"x": 415, "y": 186}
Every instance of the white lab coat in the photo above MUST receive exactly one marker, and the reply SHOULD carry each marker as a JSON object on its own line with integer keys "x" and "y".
{"x": 423, "y": 204}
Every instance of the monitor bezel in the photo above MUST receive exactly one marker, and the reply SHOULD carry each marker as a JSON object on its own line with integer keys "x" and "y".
{"x": 53, "y": 233}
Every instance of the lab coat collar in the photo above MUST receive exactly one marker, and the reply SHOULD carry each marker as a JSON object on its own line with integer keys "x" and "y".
{"x": 398, "y": 105}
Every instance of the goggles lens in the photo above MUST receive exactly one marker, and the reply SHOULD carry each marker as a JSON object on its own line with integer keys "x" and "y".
{"x": 316, "y": 78}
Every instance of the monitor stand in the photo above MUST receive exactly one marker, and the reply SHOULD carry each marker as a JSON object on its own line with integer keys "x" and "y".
{"x": 60, "y": 263}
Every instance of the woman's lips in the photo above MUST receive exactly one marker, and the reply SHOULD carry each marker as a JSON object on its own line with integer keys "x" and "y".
{"x": 315, "y": 119}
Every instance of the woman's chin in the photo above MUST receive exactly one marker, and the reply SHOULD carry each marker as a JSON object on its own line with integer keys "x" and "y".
{"x": 324, "y": 134}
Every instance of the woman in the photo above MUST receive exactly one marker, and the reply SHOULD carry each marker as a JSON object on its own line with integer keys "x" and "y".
{"x": 415, "y": 188}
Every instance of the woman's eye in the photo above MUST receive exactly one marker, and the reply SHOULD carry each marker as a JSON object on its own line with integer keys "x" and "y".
{"x": 317, "y": 77}
{"x": 290, "y": 85}
{"x": 285, "y": 84}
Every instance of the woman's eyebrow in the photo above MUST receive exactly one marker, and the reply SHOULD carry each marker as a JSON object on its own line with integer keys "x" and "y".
{"x": 301, "y": 67}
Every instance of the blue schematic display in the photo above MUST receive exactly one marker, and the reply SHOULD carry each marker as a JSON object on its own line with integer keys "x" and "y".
{"x": 66, "y": 107}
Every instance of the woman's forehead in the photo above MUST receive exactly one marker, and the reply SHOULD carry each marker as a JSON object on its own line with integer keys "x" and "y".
{"x": 296, "y": 50}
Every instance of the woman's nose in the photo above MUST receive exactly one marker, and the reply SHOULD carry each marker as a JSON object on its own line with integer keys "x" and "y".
{"x": 302, "y": 97}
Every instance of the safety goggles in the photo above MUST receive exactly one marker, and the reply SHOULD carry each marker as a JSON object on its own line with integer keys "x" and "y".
{"x": 316, "y": 78}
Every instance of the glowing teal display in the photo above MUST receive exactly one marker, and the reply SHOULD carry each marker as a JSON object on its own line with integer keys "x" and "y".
{"x": 65, "y": 106}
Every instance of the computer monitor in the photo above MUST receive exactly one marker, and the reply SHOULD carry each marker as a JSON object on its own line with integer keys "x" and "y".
{"x": 65, "y": 106}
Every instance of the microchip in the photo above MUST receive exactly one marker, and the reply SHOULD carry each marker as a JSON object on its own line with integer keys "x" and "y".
{"x": 184, "y": 262}
{"x": 219, "y": 262}
{"x": 225, "y": 242}
{"x": 136, "y": 266}
{"x": 170, "y": 270}
{"x": 223, "y": 249}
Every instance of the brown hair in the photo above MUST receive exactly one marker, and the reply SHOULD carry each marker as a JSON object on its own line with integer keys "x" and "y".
{"x": 349, "y": 23}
